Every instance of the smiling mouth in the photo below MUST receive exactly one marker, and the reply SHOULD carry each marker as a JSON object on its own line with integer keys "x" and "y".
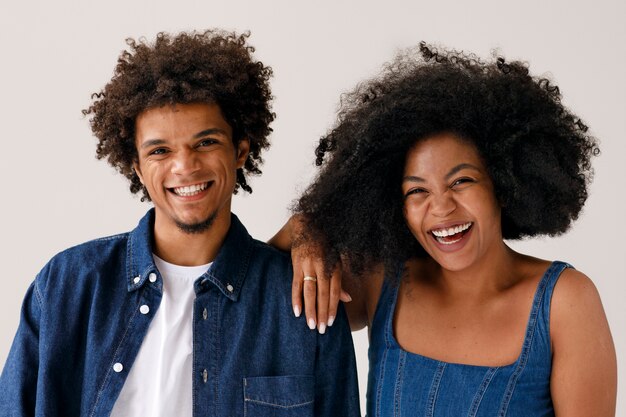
{"x": 190, "y": 190}
{"x": 451, "y": 235}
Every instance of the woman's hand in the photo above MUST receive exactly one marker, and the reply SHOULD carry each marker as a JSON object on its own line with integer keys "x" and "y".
{"x": 320, "y": 292}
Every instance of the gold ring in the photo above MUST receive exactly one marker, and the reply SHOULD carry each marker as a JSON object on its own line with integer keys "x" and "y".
{"x": 312, "y": 279}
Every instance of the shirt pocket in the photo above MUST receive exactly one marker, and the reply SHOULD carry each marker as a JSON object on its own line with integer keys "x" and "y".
{"x": 279, "y": 396}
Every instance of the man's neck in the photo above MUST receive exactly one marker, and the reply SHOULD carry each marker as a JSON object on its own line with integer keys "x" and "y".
{"x": 191, "y": 249}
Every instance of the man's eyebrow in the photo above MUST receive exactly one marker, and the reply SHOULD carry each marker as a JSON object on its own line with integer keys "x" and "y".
{"x": 212, "y": 131}
{"x": 152, "y": 142}
{"x": 460, "y": 167}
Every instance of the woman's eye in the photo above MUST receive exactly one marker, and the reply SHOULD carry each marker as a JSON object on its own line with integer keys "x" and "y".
{"x": 414, "y": 191}
{"x": 461, "y": 181}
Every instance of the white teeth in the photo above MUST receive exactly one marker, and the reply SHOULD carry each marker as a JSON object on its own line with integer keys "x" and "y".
{"x": 451, "y": 230}
{"x": 440, "y": 240}
{"x": 190, "y": 190}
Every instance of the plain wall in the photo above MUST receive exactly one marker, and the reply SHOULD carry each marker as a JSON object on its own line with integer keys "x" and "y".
{"x": 55, "y": 194}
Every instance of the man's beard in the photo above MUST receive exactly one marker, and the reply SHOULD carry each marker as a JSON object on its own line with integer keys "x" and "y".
{"x": 197, "y": 227}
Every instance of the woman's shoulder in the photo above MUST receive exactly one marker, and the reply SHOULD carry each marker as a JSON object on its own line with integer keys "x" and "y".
{"x": 583, "y": 354}
{"x": 575, "y": 298}
{"x": 573, "y": 283}
{"x": 572, "y": 290}
{"x": 365, "y": 290}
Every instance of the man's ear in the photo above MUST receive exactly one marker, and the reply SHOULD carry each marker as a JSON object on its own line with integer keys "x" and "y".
{"x": 243, "y": 149}
{"x": 138, "y": 171}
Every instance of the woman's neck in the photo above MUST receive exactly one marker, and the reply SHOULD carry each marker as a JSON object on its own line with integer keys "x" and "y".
{"x": 482, "y": 279}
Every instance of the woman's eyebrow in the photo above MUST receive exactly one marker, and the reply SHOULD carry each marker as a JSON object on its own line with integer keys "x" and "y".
{"x": 460, "y": 167}
{"x": 412, "y": 178}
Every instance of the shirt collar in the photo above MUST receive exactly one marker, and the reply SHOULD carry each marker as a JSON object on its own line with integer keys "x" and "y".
{"x": 140, "y": 263}
{"x": 227, "y": 272}
{"x": 230, "y": 266}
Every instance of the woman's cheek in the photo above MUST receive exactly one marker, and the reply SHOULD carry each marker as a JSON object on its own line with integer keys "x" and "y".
{"x": 413, "y": 214}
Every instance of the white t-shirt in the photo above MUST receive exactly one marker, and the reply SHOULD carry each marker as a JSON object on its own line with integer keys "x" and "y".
{"x": 159, "y": 382}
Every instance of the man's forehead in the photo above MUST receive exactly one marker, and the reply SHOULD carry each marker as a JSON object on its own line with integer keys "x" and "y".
{"x": 190, "y": 120}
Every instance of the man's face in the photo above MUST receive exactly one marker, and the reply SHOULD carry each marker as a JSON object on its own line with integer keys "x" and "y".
{"x": 188, "y": 164}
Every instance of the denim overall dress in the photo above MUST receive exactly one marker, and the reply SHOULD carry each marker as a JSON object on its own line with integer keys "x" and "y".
{"x": 403, "y": 384}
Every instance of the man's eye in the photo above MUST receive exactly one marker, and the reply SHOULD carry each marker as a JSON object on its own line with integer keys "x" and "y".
{"x": 158, "y": 151}
{"x": 207, "y": 142}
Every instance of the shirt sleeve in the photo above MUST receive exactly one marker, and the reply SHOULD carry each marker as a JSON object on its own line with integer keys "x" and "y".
{"x": 18, "y": 382}
{"x": 336, "y": 385}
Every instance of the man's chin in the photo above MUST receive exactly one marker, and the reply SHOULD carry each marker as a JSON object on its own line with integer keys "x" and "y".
{"x": 198, "y": 227}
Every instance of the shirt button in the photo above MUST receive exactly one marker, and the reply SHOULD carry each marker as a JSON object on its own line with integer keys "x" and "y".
{"x": 144, "y": 309}
{"x": 229, "y": 288}
{"x": 205, "y": 376}
{"x": 118, "y": 367}
{"x": 205, "y": 314}
{"x": 137, "y": 279}
{"x": 152, "y": 277}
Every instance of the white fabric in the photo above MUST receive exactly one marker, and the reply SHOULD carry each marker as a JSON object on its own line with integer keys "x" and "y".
{"x": 159, "y": 383}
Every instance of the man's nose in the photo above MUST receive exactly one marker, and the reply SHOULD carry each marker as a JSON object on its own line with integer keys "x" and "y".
{"x": 185, "y": 162}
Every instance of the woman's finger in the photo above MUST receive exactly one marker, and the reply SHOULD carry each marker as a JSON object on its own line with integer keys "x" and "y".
{"x": 335, "y": 291}
{"x": 310, "y": 293}
{"x": 323, "y": 295}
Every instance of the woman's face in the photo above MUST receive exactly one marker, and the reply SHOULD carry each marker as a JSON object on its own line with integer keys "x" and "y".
{"x": 450, "y": 206}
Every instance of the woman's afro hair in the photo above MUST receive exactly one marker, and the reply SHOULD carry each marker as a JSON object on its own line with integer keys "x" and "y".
{"x": 212, "y": 67}
{"x": 536, "y": 151}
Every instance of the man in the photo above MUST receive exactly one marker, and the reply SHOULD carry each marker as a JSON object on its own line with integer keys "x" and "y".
{"x": 187, "y": 314}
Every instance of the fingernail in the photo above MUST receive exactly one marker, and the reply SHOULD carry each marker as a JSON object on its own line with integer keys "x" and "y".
{"x": 331, "y": 320}
{"x": 322, "y": 329}
{"x": 311, "y": 324}
{"x": 296, "y": 311}
{"x": 349, "y": 298}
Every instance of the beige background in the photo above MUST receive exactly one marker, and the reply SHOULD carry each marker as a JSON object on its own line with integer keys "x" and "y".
{"x": 55, "y": 54}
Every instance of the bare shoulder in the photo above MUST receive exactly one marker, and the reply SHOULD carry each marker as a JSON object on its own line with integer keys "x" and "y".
{"x": 365, "y": 291}
{"x": 576, "y": 308}
{"x": 362, "y": 290}
{"x": 372, "y": 288}
{"x": 584, "y": 369}
{"x": 575, "y": 296}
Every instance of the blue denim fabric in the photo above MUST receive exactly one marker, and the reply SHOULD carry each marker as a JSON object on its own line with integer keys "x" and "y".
{"x": 402, "y": 384}
{"x": 251, "y": 357}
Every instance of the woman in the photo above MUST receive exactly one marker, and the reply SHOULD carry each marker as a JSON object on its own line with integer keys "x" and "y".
{"x": 430, "y": 167}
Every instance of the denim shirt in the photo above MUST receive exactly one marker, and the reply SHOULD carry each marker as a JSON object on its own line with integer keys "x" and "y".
{"x": 81, "y": 327}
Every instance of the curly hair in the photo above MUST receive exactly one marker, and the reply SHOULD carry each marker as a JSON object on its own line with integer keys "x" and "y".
{"x": 536, "y": 151}
{"x": 212, "y": 66}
